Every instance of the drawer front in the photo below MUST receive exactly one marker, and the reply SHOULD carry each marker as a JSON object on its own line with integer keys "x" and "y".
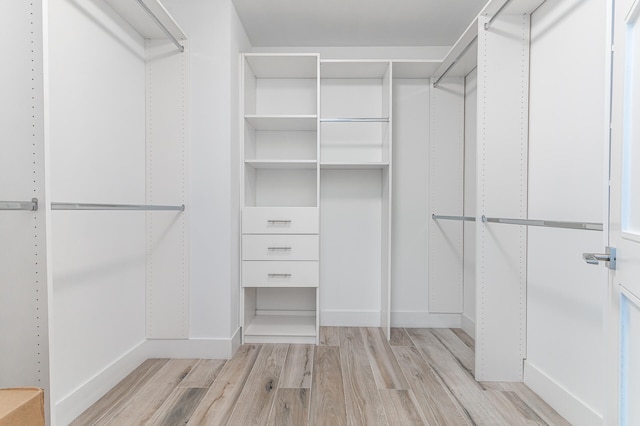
{"x": 280, "y": 247}
{"x": 280, "y": 274}
{"x": 280, "y": 220}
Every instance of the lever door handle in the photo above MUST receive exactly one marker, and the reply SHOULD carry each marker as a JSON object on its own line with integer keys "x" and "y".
{"x": 595, "y": 258}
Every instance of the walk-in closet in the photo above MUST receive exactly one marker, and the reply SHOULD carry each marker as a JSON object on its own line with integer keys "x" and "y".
{"x": 228, "y": 212}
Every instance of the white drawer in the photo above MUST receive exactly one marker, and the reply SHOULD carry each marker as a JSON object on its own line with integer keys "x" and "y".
{"x": 280, "y": 220}
{"x": 280, "y": 247}
{"x": 280, "y": 274}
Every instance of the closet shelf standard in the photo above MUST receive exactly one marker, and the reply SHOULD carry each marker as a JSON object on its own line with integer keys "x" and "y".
{"x": 20, "y": 205}
{"x": 93, "y": 206}
{"x": 588, "y": 226}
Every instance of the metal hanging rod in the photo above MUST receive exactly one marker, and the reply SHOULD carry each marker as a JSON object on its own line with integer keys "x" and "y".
{"x": 355, "y": 120}
{"x": 455, "y": 61}
{"x": 161, "y": 25}
{"x": 90, "y": 206}
{"x": 460, "y": 218}
{"x": 588, "y": 226}
{"x": 487, "y": 24}
{"x": 20, "y": 205}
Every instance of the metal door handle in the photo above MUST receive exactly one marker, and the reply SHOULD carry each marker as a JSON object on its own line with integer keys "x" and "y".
{"x": 609, "y": 258}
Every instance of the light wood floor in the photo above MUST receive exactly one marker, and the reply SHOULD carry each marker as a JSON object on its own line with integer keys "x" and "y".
{"x": 355, "y": 377}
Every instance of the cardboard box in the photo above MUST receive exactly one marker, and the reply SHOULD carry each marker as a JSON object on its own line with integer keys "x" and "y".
{"x": 22, "y": 407}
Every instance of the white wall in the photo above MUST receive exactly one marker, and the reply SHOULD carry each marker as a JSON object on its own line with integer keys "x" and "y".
{"x": 97, "y": 154}
{"x": 215, "y": 37}
{"x": 470, "y": 137}
{"x": 565, "y": 361}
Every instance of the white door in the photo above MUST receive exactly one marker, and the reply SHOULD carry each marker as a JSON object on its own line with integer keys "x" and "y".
{"x": 623, "y": 317}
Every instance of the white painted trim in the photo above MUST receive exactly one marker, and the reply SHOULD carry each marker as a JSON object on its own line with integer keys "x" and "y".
{"x": 469, "y": 326}
{"x": 350, "y": 318}
{"x": 564, "y": 402}
{"x": 422, "y": 319}
{"x": 72, "y": 405}
{"x": 236, "y": 340}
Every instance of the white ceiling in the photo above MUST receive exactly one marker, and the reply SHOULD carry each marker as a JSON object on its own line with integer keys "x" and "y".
{"x": 356, "y": 22}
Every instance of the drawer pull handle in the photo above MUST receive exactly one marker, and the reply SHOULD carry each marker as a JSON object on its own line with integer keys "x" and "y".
{"x": 278, "y": 221}
{"x": 279, "y": 275}
{"x": 279, "y": 248}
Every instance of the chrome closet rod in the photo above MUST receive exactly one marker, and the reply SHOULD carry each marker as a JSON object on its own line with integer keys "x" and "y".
{"x": 460, "y": 218}
{"x": 20, "y": 205}
{"x": 161, "y": 25}
{"x": 355, "y": 120}
{"x": 487, "y": 24}
{"x": 455, "y": 61}
{"x": 92, "y": 206}
{"x": 588, "y": 226}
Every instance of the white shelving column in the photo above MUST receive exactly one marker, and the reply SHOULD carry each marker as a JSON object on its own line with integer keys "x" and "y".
{"x": 24, "y": 272}
{"x": 503, "y": 84}
{"x": 280, "y": 219}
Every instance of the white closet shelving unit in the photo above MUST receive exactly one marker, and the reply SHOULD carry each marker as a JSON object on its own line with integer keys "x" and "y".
{"x": 113, "y": 94}
{"x": 280, "y": 223}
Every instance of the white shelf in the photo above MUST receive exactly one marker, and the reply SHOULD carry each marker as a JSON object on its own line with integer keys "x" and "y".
{"x": 354, "y": 166}
{"x": 353, "y": 69}
{"x": 283, "y": 65}
{"x": 282, "y": 164}
{"x": 282, "y": 325}
{"x": 131, "y": 12}
{"x": 283, "y": 122}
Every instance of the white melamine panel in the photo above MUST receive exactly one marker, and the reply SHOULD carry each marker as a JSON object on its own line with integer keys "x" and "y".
{"x": 280, "y": 145}
{"x": 97, "y": 154}
{"x": 286, "y": 301}
{"x": 470, "y": 142}
{"x": 351, "y": 98}
{"x": 280, "y": 220}
{"x": 353, "y": 69}
{"x": 280, "y": 187}
{"x": 567, "y": 122}
{"x": 350, "y": 243}
{"x": 278, "y": 96}
{"x": 501, "y": 264}
{"x": 411, "y": 199}
{"x": 283, "y": 122}
{"x": 280, "y": 247}
{"x": 294, "y": 329}
{"x": 24, "y": 276}
{"x": 414, "y": 69}
{"x": 446, "y": 191}
{"x": 279, "y": 273}
{"x": 352, "y": 142}
{"x": 167, "y": 177}
{"x": 139, "y": 19}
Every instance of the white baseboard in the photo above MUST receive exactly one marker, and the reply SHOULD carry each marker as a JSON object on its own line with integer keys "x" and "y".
{"x": 236, "y": 340}
{"x": 72, "y": 405}
{"x": 564, "y": 402}
{"x": 469, "y": 326}
{"x": 350, "y": 318}
{"x": 421, "y": 319}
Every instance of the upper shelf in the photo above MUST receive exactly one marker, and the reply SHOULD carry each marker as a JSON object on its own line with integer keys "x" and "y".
{"x": 139, "y": 19}
{"x": 353, "y": 69}
{"x": 266, "y": 65}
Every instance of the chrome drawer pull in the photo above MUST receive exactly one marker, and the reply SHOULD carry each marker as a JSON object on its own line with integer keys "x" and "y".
{"x": 279, "y": 248}
{"x": 279, "y": 275}
{"x": 278, "y": 221}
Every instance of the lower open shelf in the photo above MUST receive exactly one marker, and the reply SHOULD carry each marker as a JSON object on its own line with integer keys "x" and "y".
{"x": 281, "y": 329}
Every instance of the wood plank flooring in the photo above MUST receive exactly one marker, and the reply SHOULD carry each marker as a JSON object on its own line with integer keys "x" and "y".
{"x": 354, "y": 377}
